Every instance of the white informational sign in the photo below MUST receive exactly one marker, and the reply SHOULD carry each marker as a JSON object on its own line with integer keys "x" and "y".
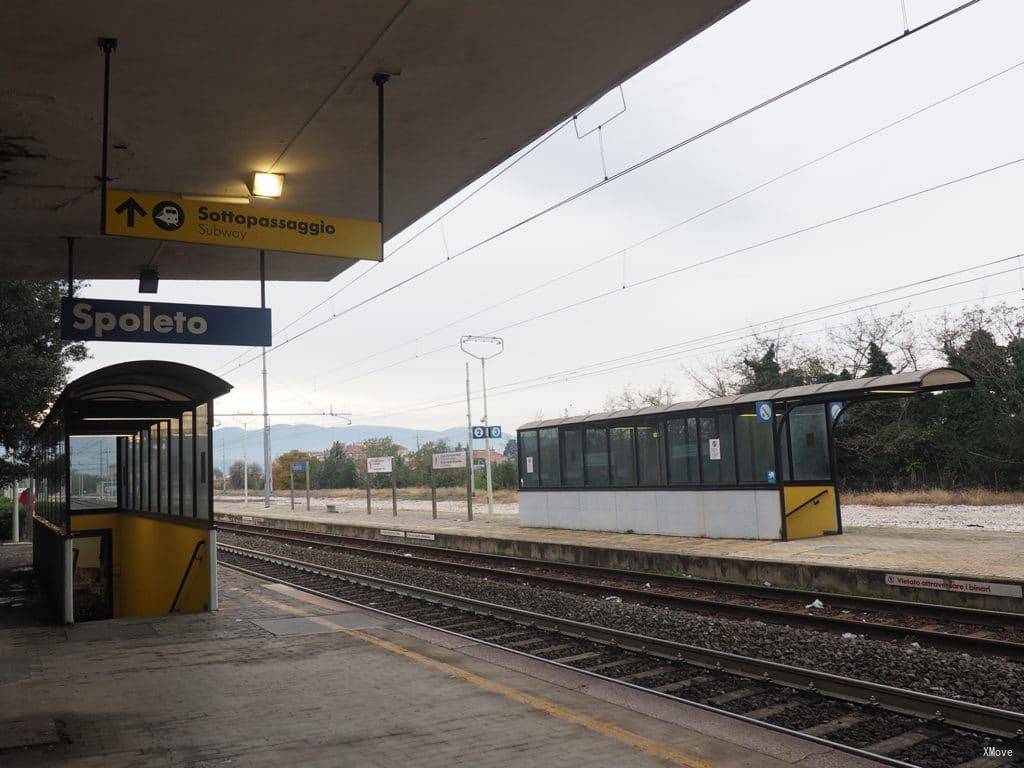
{"x": 529, "y": 465}
{"x": 415, "y": 535}
{"x": 715, "y": 449}
{"x": 449, "y": 460}
{"x": 379, "y": 464}
{"x": 388, "y": 532}
{"x": 953, "y": 585}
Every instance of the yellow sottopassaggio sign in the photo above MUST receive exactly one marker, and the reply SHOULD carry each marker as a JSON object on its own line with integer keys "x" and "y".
{"x": 169, "y": 217}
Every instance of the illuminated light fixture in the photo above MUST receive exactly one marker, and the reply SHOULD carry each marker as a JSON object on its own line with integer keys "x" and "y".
{"x": 227, "y": 199}
{"x": 894, "y": 392}
{"x": 267, "y": 184}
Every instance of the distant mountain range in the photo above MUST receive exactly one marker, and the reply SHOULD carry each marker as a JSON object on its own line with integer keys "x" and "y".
{"x": 309, "y": 437}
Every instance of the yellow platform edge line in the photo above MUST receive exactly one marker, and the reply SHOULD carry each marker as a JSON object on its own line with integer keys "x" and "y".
{"x": 609, "y": 730}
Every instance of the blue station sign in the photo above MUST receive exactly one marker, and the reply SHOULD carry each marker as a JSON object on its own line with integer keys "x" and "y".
{"x": 84, "y": 319}
{"x": 300, "y": 466}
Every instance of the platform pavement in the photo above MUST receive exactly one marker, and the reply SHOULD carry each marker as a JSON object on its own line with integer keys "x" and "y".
{"x": 278, "y": 677}
{"x": 855, "y": 562}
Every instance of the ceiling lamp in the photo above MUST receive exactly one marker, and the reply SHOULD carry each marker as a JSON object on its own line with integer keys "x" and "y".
{"x": 267, "y": 184}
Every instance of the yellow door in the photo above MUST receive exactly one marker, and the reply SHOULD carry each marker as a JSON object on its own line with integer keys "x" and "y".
{"x": 810, "y": 510}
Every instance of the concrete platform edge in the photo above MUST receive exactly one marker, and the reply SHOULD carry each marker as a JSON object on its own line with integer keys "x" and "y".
{"x": 845, "y": 579}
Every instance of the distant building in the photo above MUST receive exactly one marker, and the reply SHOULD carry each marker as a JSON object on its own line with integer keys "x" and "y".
{"x": 480, "y": 456}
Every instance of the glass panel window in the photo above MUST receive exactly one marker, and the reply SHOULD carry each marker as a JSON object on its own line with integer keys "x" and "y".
{"x": 93, "y": 472}
{"x": 154, "y": 468}
{"x": 682, "y": 451}
{"x": 550, "y": 472}
{"x": 174, "y": 467}
{"x": 623, "y": 456}
{"x": 528, "y": 458}
{"x": 203, "y": 443}
{"x": 144, "y": 470}
{"x": 596, "y": 456}
{"x": 718, "y": 462}
{"x": 754, "y": 453}
{"x": 809, "y": 434}
{"x": 164, "y": 466}
{"x": 572, "y": 452}
{"x": 133, "y": 459}
{"x": 650, "y": 462}
{"x": 188, "y": 476}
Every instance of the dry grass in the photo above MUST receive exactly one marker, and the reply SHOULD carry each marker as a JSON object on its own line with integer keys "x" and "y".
{"x": 974, "y": 497}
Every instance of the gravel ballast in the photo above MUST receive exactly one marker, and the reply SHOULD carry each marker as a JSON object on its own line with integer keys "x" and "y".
{"x": 989, "y": 681}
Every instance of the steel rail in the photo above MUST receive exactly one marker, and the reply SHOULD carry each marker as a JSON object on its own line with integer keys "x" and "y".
{"x": 935, "y": 638}
{"x": 963, "y": 714}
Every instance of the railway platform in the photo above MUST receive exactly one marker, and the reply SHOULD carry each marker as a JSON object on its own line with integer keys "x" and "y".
{"x": 977, "y": 569}
{"x": 277, "y": 676}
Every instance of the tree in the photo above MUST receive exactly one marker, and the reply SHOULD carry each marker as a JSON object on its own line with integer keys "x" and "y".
{"x": 512, "y": 448}
{"x": 385, "y": 446}
{"x": 282, "y": 469}
{"x": 36, "y": 364}
{"x": 970, "y": 437}
{"x": 662, "y": 394}
{"x": 337, "y": 469}
{"x": 506, "y": 475}
{"x": 236, "y": 475}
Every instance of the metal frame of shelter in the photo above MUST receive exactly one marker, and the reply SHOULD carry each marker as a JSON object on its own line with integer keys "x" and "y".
{"x": 595, "y": 477}
{"x": 161, "y": 416}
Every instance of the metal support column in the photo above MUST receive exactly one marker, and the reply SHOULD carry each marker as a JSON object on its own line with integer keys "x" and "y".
{"x": 268, "y": 470}
{"x": 394, "y": 492}
{"x": 108, "y": 45}
{"x": 379, "y": 79}
{"x": 470, "y": 484}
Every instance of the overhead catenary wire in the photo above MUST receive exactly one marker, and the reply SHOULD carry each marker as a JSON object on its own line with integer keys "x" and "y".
{"x": 703, "y": 262}
{"x": 436, "y": 221}
{"x": 624, "y": 172}
{"x": 707, "y": 342}
{"x": 582, "y": 372}
{"x": 672, "y": 227}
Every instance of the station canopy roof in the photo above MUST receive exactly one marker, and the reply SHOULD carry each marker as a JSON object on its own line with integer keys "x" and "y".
{"x": 203, "y": 94}
{"x": 134, "y": 394}
{"x": 904, "y": 384}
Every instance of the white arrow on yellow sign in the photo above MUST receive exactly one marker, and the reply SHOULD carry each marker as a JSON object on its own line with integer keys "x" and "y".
{"x": 169, "y": 217}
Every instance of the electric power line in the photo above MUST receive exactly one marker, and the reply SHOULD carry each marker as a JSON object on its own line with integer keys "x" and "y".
{"x": 625, "y": 171}
{"x": 677, "y": 224}
{"x": 745, "y": 332}
{"x": 703, "y": 262}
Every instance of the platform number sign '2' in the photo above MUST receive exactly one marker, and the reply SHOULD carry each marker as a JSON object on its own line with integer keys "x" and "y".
{"x": 493, "y": 432}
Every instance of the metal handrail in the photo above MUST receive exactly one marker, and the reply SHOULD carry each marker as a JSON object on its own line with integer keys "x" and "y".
{"x": 813, "y": 499}
{"x": 184, "y": 577}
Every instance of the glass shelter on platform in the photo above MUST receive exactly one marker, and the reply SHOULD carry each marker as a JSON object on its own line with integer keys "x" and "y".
{"x": 123, "y": 467}
{"x": 752, "y": 466}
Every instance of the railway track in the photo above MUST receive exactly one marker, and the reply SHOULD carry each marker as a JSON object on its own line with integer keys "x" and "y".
{"x": 966, "y": 630}
{"x": 887, "y": 724}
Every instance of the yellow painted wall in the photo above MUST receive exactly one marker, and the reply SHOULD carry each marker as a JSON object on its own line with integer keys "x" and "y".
{"x": 816, "y": 518}
{"x": 150, "y": 556}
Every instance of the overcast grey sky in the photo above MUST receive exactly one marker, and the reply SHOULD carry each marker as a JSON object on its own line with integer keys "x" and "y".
{"x": 380, "y": 362}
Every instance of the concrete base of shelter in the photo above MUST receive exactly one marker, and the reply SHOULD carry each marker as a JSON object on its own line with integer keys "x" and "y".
{"x": 279, "y": 677}
{"x": 856, "y": 562}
